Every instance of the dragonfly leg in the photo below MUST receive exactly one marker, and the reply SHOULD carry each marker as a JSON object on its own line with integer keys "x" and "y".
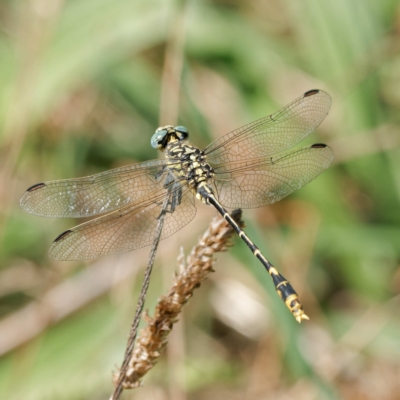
{"x": 174, "y": 200}
{"x": 159, "y": 174}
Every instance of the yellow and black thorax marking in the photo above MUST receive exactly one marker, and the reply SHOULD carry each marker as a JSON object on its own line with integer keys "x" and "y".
{"x": 189, "y": 163}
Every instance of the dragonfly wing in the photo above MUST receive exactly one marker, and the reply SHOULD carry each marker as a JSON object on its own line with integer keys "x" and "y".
{"x": 129, "y": 228}
{"x": 95, "y": 194}
{"x": 257, "y": 182}
{"x": 274, "y": 133}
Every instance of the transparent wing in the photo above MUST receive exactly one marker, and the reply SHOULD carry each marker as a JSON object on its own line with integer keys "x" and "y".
{"x": 274, "y": 133}
{"x": 96, "y": 194}
{"x": 129, "y": 228}
{"x": 257, "y": 182}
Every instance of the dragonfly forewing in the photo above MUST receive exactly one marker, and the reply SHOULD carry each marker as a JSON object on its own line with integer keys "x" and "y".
{"x": 95, "y": 194}
{"x": 274, "y": 133}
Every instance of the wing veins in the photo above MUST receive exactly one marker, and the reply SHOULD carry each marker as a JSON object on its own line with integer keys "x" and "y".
{"x": 293, "y": 110}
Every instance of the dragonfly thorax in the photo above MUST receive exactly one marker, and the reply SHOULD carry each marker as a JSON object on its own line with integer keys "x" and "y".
{"x": 188, "y": 163}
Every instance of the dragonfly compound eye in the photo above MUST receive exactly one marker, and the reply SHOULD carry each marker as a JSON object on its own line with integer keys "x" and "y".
{"x": 159, "y": 139}
{"x": 181, "y": 132}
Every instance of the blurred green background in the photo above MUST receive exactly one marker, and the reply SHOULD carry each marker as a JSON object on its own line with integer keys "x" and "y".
{"x": 83, "y": 86}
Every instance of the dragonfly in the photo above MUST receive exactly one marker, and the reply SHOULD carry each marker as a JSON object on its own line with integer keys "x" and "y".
{"x": 149, "y": 201}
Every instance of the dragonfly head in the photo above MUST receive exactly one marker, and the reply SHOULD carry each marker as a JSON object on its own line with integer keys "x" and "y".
{"x": 167, "y": 134}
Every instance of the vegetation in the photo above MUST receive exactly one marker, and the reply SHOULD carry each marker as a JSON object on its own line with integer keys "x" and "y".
{"x": 83, "y": 86}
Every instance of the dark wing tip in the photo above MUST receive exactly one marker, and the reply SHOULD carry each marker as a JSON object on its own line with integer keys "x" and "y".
{"x": 329, "y": 156}
{"x": 62, "y": 235}
{"x": 36, "y": 186}
{"x": 28, "y": 201}
{"x": 311, "y": 92}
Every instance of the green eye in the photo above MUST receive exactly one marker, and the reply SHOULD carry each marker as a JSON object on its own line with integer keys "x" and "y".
{"x": 182, "y": 132}
{"x": 158, "y": 140}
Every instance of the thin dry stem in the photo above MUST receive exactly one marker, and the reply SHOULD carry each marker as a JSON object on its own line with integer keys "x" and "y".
{"x": 199, "y": 264}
